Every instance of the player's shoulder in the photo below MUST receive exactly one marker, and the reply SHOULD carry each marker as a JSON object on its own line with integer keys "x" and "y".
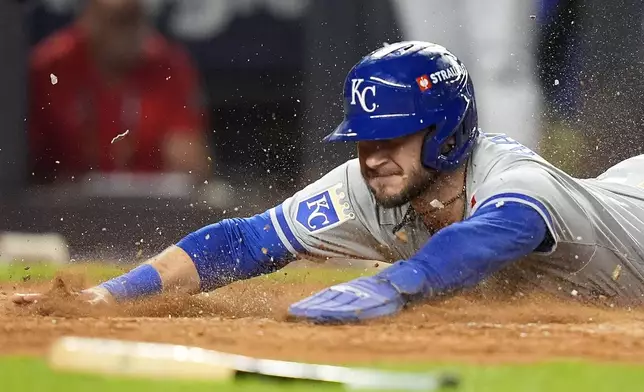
{"x": 499, "y": 161}
{"x": 328, "y": 201}
{"x": 60, "y": 48}
{"x": 498, "y": 152}
{"x": 502, "y": 145}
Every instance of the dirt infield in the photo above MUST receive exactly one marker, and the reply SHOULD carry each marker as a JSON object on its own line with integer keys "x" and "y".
{"x": 249, "y": 318}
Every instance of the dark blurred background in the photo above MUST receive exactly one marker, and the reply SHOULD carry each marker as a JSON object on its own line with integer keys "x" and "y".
{"x": 221, "y": 105}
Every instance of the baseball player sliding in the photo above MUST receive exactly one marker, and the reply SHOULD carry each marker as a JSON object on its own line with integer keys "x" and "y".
{"x": 447, "y": 205}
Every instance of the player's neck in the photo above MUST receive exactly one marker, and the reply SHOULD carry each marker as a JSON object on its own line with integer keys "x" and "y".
{"x": 444, "y": 202}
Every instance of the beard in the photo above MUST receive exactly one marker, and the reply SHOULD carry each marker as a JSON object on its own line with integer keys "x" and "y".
{"x": 417, "y": 182}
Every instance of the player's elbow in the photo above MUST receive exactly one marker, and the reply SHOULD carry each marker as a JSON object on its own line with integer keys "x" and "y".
{"x": 537, "y": 236}
{"x": 234, "y": 249}
{"x": 520, "y": 226}
{"x": 176, "y": 270}
{"x": 205, "y": 247}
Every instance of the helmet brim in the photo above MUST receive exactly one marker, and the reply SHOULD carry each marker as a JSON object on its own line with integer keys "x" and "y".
{"x": 383, "y": 128}
{"x": 393, "y": 126}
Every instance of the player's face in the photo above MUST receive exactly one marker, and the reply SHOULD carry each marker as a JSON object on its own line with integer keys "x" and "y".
{"x": 393, "y": 170}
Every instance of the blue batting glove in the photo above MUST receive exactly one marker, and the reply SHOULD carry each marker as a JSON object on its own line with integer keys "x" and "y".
{"x": 360, "y": 299}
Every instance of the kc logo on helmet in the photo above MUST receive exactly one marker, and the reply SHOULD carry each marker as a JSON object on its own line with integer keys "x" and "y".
{"x": 361, "y": 95}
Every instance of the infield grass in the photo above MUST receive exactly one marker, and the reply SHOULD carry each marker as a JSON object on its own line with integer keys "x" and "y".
{"x": 29, "y": 374}
{"x": 97, "y": 272}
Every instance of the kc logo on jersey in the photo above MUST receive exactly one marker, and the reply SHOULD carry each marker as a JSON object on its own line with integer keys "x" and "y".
{"x": 360, "y": 95}
{"x": 324, "y": 210}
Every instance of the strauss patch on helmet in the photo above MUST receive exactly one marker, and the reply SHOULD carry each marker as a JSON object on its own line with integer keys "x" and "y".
{"x": 446, "y": 74}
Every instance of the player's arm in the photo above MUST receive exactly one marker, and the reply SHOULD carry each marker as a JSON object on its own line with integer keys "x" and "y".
{"x": 237, "y": 248}
{"x": 211, "y": 257}
{"x": 241, "y": 248}
{"x": 503, "y": 229}
{"x": 509, "y": 222}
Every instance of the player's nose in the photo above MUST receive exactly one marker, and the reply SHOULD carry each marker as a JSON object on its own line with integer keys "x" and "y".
{"x": 373, "y": 154}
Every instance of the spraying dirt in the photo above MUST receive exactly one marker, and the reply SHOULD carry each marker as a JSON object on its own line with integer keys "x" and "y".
{"x": 250, "y": 318}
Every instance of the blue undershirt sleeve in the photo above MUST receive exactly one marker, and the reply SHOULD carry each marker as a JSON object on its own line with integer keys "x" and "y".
{"x": 464, "y": 253}
{"x": 235, "y": 249}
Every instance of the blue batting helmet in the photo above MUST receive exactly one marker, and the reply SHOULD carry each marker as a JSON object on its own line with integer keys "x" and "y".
{"x": 404, "y": 88}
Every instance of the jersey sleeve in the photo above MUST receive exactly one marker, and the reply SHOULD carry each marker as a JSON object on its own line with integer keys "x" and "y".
{"x": 326, "y": 219}
{"x": 532, "y": 186}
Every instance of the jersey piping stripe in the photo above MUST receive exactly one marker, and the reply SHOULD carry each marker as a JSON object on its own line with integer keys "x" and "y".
{"x": 280, "y": 233}
{"x": 284, "y": 231}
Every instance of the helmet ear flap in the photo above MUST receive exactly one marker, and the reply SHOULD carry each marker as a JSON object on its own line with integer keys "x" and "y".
{"x": 448, "y": 146}
{"x": 425, "y": 153}
{"x": 453, "y": 150}
{"x": 464, "y": 131}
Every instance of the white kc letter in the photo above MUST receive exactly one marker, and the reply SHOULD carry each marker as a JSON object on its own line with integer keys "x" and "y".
{"x": 362, "y": 95}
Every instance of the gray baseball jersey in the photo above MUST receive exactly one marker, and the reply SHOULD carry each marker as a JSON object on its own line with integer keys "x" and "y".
{"x": 597, "y": 225}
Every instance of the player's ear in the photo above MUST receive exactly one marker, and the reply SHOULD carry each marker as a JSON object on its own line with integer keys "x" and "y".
{"x": 448, "y": 145}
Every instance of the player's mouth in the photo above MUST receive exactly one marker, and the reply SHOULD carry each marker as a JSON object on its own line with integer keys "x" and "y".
{"x": 373, "y": 174}
{"x": 384, "y": 176}
{"x": 383, "y": 182}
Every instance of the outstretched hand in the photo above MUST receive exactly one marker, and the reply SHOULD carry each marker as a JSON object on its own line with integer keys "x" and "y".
{"x": 91, "y": 296}
{"x": 360, "y": 299}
